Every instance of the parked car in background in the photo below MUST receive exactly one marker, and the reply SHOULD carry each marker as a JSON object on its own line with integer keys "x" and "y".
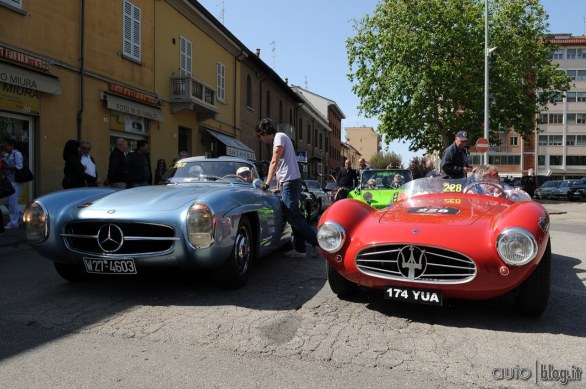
{"x": 204, "y": 217}
{"x": 324, "y": 199}
{"x": 561, "y": 192}
{"x": 544, "y": 191}
{"x": 578, "y": 190}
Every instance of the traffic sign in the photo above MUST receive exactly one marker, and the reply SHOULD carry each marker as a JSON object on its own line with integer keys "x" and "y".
{"x": 482, "y": 145}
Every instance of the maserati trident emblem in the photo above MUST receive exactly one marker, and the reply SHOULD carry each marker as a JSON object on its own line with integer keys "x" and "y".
{"x": 110, "y": 238}
{"x": 412, "y": 262}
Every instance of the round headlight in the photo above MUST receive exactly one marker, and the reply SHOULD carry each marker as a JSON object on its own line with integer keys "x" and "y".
{"x": 330, "y": 237}
{"x": 367, "y": 196}
{"x": 36, "y": 222}
{"x": 516, "y": 246}
{"x": 200, "y": 226}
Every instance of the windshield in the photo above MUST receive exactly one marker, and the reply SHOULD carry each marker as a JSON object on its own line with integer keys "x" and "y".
{"x": 384, "y": 179}
{"x": 485, "y": 186}
{"x": 313, "y": 184}
{"x": 187, "y": 171}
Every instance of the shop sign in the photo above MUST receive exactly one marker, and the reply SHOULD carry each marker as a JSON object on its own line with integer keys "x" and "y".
{"x": 19, "y": 99}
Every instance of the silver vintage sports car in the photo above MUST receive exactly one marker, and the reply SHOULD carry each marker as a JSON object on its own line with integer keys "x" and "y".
{"x": 211, "y": 213}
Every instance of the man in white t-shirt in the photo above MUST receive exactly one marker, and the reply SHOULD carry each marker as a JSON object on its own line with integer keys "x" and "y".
{"x": 284, "y": 167}
{"x": 89, "y": 165}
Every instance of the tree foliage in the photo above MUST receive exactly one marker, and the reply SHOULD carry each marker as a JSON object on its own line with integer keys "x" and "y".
{"x": 382, "y": 160}
{"x": 418, "y": 65}
{"x": 420, "y": 166}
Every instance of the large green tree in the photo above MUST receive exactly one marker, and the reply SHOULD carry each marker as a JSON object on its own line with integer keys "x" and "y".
{"x": 418, "y": 66}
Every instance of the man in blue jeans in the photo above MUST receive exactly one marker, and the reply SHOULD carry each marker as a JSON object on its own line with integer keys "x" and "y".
{"x": 284, "y": 167}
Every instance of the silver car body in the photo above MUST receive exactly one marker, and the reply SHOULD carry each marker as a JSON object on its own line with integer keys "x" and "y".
{"x": 324, "y": 198}
{"x": 191, "y": 222}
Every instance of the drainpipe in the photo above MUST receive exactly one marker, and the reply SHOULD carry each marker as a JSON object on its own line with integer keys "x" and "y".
{"x": 81, "y": 72}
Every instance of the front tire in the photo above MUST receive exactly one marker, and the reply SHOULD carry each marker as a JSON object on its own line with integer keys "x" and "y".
{"x": 339, "y": 285}
{"x": 233, "y": 274}
{"x": 71, "y": 273}
{"x": 533, "y": 294}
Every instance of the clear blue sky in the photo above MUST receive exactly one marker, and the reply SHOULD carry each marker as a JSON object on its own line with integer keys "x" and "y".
{"x": 305, "y": 42}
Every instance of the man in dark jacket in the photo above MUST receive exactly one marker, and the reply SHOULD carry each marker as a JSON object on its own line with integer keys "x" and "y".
{"x": 117, "y": 165}
{"x": 455, "y": 157}
{"x": 347, "y": 180}
{"x": 138, "y": 166}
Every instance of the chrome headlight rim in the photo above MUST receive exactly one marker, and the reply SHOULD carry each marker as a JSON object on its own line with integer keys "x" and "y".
{"x": 331, "y": 230}
{"x": 506, "y": 237}
{"x": 200, "y": 235}
{"x": 36, "y": 231}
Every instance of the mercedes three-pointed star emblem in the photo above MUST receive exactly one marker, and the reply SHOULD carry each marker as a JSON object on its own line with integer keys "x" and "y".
{"x": 110, "y": 238}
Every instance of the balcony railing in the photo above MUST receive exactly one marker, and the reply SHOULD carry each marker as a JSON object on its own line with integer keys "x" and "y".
{"x": 190, "y": 93}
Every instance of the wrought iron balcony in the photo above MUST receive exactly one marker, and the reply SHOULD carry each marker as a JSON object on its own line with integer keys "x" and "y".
{"x": 190, "y": 93}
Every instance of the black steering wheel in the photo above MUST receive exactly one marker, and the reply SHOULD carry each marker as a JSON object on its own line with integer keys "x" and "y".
{"x": 481, "y": 188}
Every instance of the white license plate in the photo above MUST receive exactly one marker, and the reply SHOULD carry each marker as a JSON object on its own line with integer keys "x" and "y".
{"x": 421, "y": 296}
{"x": 109, "y": 266}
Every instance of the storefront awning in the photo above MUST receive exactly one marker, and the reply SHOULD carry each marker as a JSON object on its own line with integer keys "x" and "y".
{"x": 234, "y": 147}
{"x": 25, "y": 78}
{"x": 133, "y": 108}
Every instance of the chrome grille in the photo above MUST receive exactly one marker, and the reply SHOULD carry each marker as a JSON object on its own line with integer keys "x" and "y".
{"x": 136, "y": 238}
{"x": 416, "y": 264}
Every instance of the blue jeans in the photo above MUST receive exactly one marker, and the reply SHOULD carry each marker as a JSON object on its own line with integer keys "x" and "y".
{"x": 302, "y": 232}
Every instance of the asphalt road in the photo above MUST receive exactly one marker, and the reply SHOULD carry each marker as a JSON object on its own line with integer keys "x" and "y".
{"x": 285, "y": 329}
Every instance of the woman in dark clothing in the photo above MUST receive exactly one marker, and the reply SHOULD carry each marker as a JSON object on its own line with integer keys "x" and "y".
{"x": 160, "y": 170}
{"x": 73, "y": 170}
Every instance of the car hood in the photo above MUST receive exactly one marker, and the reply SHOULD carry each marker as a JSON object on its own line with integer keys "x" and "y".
{"x": 438, "y": 209}
{"x": 157, "y": 197}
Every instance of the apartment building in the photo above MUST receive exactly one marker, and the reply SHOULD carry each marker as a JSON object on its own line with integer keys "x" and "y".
{"x": 561, "y": 140}
{"x": 138, "y": 73}
{"x": 327, "y": 123}
{"x": 365, "y": 140}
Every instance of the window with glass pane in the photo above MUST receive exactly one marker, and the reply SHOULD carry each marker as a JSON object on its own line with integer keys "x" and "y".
{"x": 556, "y": 118}
{"x": 514, "y": 141}
{"x": 581, "y": 97}
{"x": 571, "y": 118}
{"x": 581, "y": 53}
{"x": 558, "y": 98}
{"x": 543, "y": 118}
{"x": 540, "y": 160}
{"x": 570, "y": 53}
{"x": 555, "y": 159}
{"x": 542, "y": 140}
{"x": 555, "y": 140}
{"x": 580, "y": 140}
{"x": 557, "y": 54}
{"x": 570, "y": 140}
{"x": 581, "y": 75}
{"x": 571, "y": 74}
{"x": 581, "y": 118}
{"x": 571, "y": 97}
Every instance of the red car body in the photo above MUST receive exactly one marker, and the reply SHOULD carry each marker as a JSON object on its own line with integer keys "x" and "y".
{"x": 444, "y": 243}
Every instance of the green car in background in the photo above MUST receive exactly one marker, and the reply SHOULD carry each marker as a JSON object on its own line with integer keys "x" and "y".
{"x": 380, "y": 188}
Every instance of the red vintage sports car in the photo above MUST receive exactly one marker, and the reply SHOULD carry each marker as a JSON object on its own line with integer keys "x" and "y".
{"x": 443, "y": 239}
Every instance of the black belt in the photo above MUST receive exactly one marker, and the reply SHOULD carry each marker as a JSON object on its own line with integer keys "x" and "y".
{"x": 295, "y": 180}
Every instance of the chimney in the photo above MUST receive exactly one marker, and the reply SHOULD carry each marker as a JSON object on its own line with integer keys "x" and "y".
{"x": 258, "y": 53}
{"x": 286, "y": 80}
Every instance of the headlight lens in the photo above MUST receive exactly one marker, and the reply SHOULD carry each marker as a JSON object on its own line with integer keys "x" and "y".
{"x": 36, "y": 222}
{"x": 516, "y": 246}
{"x": 200, "y": 226}
{"x": 331, "y": 236}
